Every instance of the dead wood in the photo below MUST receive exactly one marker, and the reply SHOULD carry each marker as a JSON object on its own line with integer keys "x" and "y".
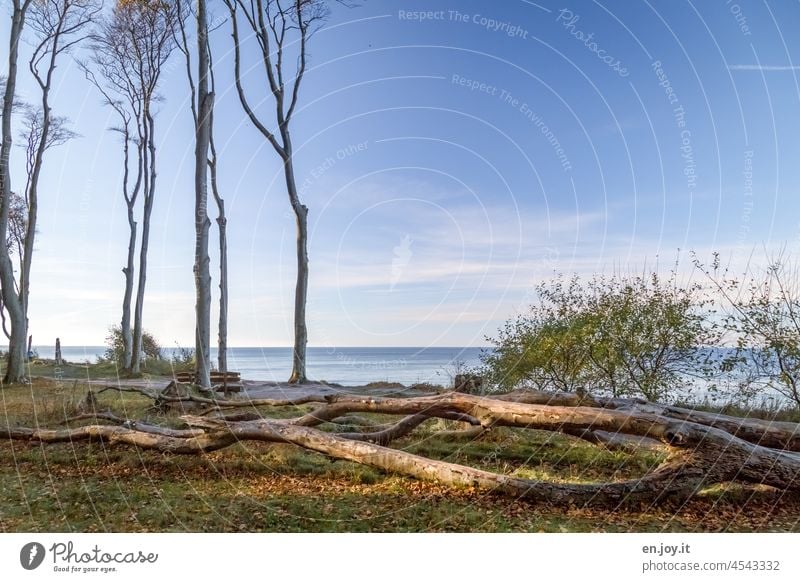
{"x": 700, "y": 451}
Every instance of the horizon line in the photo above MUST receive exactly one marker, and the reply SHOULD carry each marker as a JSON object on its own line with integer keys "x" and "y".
{"x": 287, "y": 347}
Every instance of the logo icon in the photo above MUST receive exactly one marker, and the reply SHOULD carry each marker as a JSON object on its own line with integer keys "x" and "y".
{"x": 402, "y": 256}
{"x": 31, "y": 555}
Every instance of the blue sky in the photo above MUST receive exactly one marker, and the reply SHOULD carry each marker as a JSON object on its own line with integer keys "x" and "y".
{"x": 450, "y": 163}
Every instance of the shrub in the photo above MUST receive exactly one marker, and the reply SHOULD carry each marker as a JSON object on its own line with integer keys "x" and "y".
{"x": 543, "y": 349}
{"x": 114, "y": 346}
{"x": 763, "y": 317}
{"x": 623, "y": 336}
{"x": 182, "y": 357}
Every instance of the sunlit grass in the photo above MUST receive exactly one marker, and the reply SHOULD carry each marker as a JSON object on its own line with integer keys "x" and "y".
{"x": 278, "y": 487}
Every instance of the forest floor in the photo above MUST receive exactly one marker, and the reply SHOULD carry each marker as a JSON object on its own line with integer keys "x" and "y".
{"x": 257, "y": 487}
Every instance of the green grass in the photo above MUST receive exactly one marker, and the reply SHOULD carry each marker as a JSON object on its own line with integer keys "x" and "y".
{"x": 43, "y": 368}
{"x": 282, "y": 488}
{"x": 540, "y": 455}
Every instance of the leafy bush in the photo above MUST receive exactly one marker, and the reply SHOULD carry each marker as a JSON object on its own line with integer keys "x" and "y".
{"x": 182, "y": 357}
{"x": 544, "y": 349}
{"x": 114, "y": 346}
{"x": 763, "y": 316}
{"x": 624, "y": 336}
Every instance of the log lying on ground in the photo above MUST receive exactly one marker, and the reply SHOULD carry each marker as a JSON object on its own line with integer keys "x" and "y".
{"x": 699, "y": 454}
{"x": 673, "y": 478}
{"x": 768, "y": 433}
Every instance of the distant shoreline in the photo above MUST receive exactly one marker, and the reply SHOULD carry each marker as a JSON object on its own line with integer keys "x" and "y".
{"x": 345, "y": 366}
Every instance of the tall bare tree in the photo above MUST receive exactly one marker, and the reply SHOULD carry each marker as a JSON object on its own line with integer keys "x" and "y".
{"x": 129, "y": 52}
{"x": 56, "y": 25}
{"x": 222, "y": 225}
{"x": 202, "y": 274}
{"x": 282, "y": 29}
{"x": 202, "y": 107}
{"x": 15, "y": 368}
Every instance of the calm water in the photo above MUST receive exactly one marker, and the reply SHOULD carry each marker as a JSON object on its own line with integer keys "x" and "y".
{"x": 356, "y": 366}
{"x": 348, "y": 366}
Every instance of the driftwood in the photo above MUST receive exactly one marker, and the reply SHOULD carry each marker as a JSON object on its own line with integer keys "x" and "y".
{"x": 703, "y": 449}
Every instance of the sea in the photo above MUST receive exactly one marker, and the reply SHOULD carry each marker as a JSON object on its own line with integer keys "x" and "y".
{"x": 346, "y": 366}
{"x": 351, "y": 366}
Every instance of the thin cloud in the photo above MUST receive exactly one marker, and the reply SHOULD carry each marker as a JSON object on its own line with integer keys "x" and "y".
{"x": 764, "y": 68}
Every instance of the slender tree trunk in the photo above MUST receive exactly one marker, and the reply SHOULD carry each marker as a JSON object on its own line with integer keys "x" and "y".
{"x": 202, "y": 274}
{"x": 32, "y": 195}
{"x": 301, "y": 287}
{"x": 129, "y": 269}
{"x": 300, "y": 299}
{"x": 138, "y": 329}
{"x": 33, "y": 212}
{"x": 222, "y": 225}
{"x": 125, "y": 327}
{"x": 222, "y": 338}
{"x": 149, "y": 193}
{"x": 15, "y": 367}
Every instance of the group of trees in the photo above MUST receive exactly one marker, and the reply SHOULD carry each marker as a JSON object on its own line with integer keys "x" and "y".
{"x": 653, "y": 338}
{"x": 129, "y": 43}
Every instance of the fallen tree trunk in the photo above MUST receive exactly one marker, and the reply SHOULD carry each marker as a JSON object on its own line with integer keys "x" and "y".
{"x": 768, "y": 433}
{"x": 700, "y": 453}
{"x": 675, "y": 478}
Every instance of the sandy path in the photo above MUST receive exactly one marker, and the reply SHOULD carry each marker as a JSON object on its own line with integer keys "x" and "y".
{"x": 276, "y": 390}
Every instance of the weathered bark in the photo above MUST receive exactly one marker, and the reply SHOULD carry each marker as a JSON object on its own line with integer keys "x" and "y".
{"x": 699, "y": 455}
{"x": 387, "y": 435}
{"x": 149, "y": 171}
{"x": 157, "y": 440}
{"x": 35, "y": 170}
{"x": 768, "y": 433}
{"x": 222, "y": 224}
{"x": 15, "y": 365}
{"x": 127, "y": 297}
{"x": 202, "y": 274}
{"x": 676, "y": 478}
{"x": 136, "y": 425}
{"x": 298, "y": 375}
{"x": 130, "y": 195}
